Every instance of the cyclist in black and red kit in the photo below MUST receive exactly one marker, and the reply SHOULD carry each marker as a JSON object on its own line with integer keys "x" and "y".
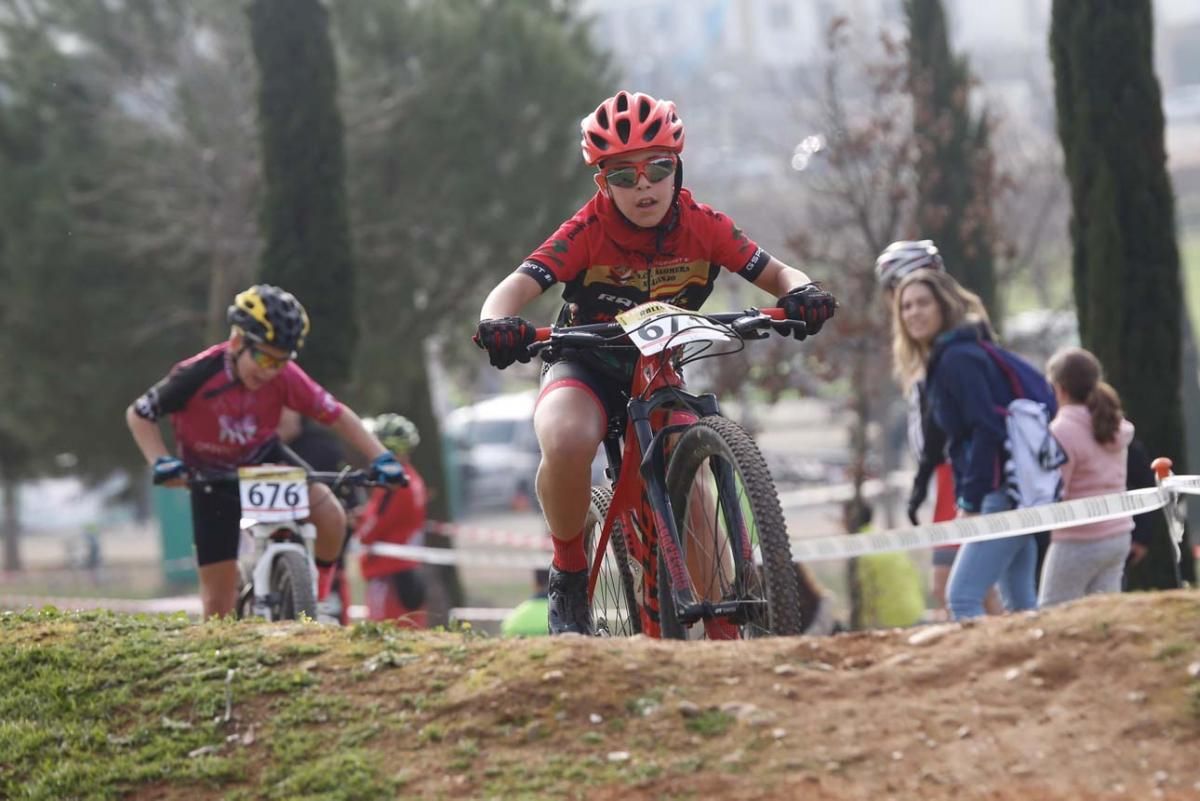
{"x": 642, "y": 237}
{"x": 225, "y": 404}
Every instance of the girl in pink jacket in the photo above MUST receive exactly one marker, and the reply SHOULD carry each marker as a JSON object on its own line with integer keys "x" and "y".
{"x": 1093, "y": 431}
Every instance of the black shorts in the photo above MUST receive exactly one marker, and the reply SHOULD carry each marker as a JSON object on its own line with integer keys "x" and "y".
{"x": 607, "y": 383}
{"x": 216, "y": 522}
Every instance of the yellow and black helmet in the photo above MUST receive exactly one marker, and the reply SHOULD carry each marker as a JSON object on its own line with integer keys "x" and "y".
{"x": 272, "y": 316}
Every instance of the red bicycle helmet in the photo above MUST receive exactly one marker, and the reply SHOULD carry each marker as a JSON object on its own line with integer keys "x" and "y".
{"x": 630, "y": 121}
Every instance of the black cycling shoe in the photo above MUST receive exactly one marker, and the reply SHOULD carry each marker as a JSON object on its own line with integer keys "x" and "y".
{"x": 569, "y": 609}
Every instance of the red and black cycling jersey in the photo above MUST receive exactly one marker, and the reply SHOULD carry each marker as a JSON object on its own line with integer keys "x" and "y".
{"x": 609, "y": 265}
{"x": 219, "y": 424}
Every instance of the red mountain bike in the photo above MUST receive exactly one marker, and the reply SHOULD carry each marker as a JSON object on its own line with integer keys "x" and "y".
{"x": 690, "y": 541}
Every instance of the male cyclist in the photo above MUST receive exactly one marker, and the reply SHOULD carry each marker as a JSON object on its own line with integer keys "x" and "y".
{"x": 225, "y": 404}
{"x": 395, "y": 587}
{"x": 642, "y": 237}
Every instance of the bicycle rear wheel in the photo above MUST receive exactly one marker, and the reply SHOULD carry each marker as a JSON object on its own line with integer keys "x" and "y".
{"x": 614, "y": 601}
{"x": 729, "y": 519}
{"x": 292, "y": 586}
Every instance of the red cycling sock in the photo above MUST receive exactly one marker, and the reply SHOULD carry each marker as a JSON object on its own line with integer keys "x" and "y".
{"x": 720, "y": 629}
{"x": 325, "y": 574}
{"x": 569, "y": 555}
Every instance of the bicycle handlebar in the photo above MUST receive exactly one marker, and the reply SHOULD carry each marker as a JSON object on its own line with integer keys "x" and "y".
{"x": 609, "y": 334}
{"x": 358, "y": 478}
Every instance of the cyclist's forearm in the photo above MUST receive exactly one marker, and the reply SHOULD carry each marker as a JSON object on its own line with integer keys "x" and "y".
{"x": 350, "y": 427}
{"x": 509, "y": 297}
{"x": 147, "y": 435}
{"x": 779, "y": 279}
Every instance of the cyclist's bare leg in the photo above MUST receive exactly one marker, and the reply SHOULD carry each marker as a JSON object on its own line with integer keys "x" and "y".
{"x": 218, "y": 588}
{"x": 709, "y": 558}
{"x": 569, "y": 427}
{"x": 327, "y": 514}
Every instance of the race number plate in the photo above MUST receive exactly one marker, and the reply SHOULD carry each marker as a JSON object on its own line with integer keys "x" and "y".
{"x": 654, "y": 326}
{"x": 273, "y": 493}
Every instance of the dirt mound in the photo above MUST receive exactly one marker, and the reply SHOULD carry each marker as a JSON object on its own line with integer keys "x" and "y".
{"x": 1098, "y": 699}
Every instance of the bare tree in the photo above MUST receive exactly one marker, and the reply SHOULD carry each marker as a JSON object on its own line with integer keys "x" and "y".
{"x": 859, "y": 180}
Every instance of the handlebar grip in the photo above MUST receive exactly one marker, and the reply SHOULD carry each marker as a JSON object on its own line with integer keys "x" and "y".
{"x": 542, "y": 334}
{"x": 775, "y": 313}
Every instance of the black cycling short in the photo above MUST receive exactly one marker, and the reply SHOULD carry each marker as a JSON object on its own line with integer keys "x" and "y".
{"x": 608, "y": 383}
{"x": 216, "y": 522}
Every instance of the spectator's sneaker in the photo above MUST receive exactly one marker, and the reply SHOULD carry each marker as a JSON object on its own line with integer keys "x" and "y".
{"x": 569, "y": 609}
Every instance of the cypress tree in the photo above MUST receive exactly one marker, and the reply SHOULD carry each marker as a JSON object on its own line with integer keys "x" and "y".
{"x": 954, "y": 159}
{"x": 305, "y": 224}
{"x": 1126, "y": 260}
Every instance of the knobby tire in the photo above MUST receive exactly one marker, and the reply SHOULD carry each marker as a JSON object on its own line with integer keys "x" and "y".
{"x": 291, "y": 584}
{"x": 715, "y": 440}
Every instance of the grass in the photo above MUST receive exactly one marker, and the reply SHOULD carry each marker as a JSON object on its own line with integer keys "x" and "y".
{"x": 103, "y": 706}
{"x": 151, "y": 700}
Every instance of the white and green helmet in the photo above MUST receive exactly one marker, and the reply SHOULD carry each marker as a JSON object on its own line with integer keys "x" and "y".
{"x": 395, "y": 431}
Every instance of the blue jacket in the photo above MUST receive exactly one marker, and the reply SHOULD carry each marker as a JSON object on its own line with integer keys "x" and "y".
{"x": 968, "y": 394}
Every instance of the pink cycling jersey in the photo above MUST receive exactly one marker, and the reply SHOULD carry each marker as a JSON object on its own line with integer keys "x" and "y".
{"x": 218, "y": 423}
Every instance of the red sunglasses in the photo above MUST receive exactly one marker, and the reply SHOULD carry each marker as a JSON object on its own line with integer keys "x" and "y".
{"x": 628, "y": 175}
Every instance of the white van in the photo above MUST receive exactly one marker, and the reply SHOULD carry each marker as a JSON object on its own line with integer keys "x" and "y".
{"x": 497, "y": 452}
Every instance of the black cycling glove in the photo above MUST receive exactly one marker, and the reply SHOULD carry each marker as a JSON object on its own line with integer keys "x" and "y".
{"x": 808, "y": 304}
{"x": 506, "y": 339}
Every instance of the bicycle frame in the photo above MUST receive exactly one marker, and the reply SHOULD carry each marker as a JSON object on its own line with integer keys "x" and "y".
{"x": 658, "y": 409}
{"x": 267, "y": 547}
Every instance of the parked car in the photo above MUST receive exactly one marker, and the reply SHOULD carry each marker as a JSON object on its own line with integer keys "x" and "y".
{"x": 497, "y": 452}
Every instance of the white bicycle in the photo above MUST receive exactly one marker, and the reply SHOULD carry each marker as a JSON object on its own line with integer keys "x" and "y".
{"x": 277, "y": 571}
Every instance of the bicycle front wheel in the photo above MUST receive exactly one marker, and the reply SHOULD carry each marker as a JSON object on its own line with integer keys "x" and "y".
{"x": 614, "y": 601}
{"x": 734, "y": 539}
{"x": 291, "y": 584}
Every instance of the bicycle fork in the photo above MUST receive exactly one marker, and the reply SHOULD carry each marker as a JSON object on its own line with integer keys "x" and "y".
{"x": 688, "y": 608}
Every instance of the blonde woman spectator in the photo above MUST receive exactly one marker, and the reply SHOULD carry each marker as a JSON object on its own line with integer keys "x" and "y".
{"x": 1093, "y": 431}
{"x": 940, "y": 332}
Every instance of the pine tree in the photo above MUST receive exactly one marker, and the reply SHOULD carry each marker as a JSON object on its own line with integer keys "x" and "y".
{"x": 1126, "y": 260}
{"x": 305, "y": 223}
{"x": 955, "y": 168}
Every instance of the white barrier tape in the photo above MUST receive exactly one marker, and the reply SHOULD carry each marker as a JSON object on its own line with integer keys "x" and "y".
{"x": 531, "y": 560}
{"x": 491, "y": 536}
{"x": 995, "y": 526}
{"x": 1187, "y": 485}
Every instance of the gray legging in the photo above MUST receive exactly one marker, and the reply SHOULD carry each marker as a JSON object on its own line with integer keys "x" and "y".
{"x": 1075, "y": 568}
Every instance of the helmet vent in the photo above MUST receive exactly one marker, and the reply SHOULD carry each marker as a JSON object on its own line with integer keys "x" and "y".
{"x": 643, "y": 110}
{"x": 602, "y": 117}
{"x": 622, "y": 102}
{"x": 598, "y": 141}
{"x": 623, "y": 130}
{"x": 652, "y": 131}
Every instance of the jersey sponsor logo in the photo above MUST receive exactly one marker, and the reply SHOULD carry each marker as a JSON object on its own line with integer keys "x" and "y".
{"x": 739, "y": 236}
{"x": 676, "y": 278}
{"x": 661, "y": 282}
{"x": 618, "y": 275}
{"x": 239, "y": 430}
{"x": 627, "y": 303}
{"x": 575, "y": 231}
{"x": 538, "y": 272}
